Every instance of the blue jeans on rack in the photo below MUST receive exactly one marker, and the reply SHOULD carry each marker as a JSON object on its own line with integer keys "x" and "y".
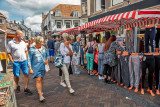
{"x": 150, "y": 34}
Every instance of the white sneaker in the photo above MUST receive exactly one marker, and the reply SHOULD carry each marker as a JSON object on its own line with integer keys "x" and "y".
{"x": 42, "y": 99}
{"x": 63, "y": 84}
{"x": 71, "y": 91}
{"x": 102, "y": 77}
{"x": 99, "y": 77}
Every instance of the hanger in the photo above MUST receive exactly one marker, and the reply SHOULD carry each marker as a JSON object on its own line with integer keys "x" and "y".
{"x": 150, "y": 26}
{"x": 129, "y": 29}
{"x": 158, "y": 26}
{"x": 125, "y": 53}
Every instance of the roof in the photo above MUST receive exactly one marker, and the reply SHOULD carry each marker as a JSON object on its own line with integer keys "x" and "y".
{"x": 2, "y": 15}
{"x": 67, "y": 9}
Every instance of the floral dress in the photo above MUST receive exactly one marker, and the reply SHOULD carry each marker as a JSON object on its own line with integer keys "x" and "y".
{"x": 110, "y": 57}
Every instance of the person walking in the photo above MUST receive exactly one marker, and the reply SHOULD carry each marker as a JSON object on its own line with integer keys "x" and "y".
{"x": 90, "y": 54}
{"x": 76, "y": 54}
{"x": 109, "y": 59}
{"x": 66, "y": 51}
{"x": 37, "y": 58}
{"x": 100, "y": 58}
{"x": 31, "y": 43}
{"x": 50, "y": 45}
{"x": 17, "y": 53}
{"x": 57, "y": 44}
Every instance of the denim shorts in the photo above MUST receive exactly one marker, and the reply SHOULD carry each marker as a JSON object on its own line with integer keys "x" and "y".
{"x": 51, "y": 52}
{"x": 20, "y": 65}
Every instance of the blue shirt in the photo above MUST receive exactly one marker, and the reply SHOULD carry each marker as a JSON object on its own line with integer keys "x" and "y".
{"x": 50, "y": 44}
{"x": 36, "y": 62}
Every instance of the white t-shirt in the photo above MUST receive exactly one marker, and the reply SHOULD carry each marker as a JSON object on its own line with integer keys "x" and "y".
{"x": 17, "y": 50}
{"x": 64, "y": 50}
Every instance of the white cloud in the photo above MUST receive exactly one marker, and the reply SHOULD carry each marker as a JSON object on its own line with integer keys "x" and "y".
{"x": 5, "y": 13}
{"x": 32, "y": 9}
{"x": 34, "y": 22}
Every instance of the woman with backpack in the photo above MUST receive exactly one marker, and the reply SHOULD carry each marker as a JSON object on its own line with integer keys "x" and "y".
{"x": 90, "y": 54}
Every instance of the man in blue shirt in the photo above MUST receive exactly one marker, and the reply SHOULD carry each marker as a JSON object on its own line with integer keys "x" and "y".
{"x": 50, "y": 45}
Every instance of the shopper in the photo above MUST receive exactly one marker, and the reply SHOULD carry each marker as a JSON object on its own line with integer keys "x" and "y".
{"x": 110, "y": 59}
{"x": 57, "y": 44}
{"x": 37, "y": 58}
{"x": 50, "y": 45}
{"x": 17, "y": 55}
{"x": 66, "y": 51}
{"x": 76, "y": 54}
{"x": 90, "y": 54}
{"x": 32, "y": 43}
{"x": 100, "y": 58}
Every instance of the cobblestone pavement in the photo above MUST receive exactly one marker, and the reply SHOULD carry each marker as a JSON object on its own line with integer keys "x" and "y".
{"x": 90, "y": 92}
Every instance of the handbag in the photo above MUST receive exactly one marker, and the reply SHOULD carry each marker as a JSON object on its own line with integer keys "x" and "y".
{"x": 58, "y": 60}
{"x": 46, "y": 65}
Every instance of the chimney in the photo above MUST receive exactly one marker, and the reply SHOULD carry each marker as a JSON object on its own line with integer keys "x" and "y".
{"x": 14, "y": 21}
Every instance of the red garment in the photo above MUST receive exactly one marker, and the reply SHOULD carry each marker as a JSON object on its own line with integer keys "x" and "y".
{"x": 96, "y": 57}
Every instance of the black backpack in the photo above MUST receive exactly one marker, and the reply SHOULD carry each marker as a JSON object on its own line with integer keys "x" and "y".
{"x": 90, "y": 49}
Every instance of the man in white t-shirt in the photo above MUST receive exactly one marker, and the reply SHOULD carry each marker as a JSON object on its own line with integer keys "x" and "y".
{"x": 17, "y": 54}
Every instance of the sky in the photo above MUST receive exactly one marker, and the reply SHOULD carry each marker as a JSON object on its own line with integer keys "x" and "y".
{"x": 30, "y": 10}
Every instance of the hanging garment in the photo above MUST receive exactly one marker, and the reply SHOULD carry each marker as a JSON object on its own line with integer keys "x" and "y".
{"x": 157, "y": 69}
{"x": 147, "y": 62}
{"x": 117, "y": 71}
{"x": 1, "y": 68}
{"x": 134, "y": 70}
{"x": 157, "y": 37}
{"x": 129, "y": 39}
{"x": 124, "y": 60}
{"x": 150, "y": 34}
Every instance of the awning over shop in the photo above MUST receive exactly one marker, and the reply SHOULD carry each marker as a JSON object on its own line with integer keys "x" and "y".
{"x": 136, "y": 18}
{"x": 71, "y": 31}
{"x": 129, "y": 19}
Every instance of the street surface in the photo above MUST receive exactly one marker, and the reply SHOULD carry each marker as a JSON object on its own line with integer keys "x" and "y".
{"x": 90, "y": 92}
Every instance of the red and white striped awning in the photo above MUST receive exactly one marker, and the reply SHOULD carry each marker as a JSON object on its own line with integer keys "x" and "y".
{"x": 73, "y": 31}
{"x": 129, "y": 19}
{"x": 136, "y": 18}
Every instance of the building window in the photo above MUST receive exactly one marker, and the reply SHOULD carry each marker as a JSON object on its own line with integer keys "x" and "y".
{"x": 1, "y": 21}
{"x": 76, "y": 23}
{"x": 59, "y": 24}
{"x": 58, "y": 13}
{"x": 75, "y": 14}
{"x": 68, "y": 24}
{"x": 115, "y": 2}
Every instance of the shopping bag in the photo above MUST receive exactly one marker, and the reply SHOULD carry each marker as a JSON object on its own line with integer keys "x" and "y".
{"x": 47, "y": 67}
{"x": 96, "y": 57}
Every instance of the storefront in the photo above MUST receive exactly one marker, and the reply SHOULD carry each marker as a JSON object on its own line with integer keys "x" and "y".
{"x": 3, "y": 56}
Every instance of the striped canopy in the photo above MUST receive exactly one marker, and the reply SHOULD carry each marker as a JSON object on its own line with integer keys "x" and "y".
{"x": 136, "y": 18}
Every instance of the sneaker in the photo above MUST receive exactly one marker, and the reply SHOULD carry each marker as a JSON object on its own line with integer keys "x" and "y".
{"x": 28, "y": 91}
{"x": 71, "y": 91}
{"x": 63, "y": 84}
{"x": 42, "y": 99}
{"x": 102, "y": 77}
{"x": 99, "y": 77}
{"x": 18, "y": 89}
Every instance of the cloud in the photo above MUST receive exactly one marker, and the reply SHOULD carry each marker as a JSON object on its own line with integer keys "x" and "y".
{"x": 32, "y": 9}
{"x": 34, "y": 22}
{"x": 35, "y": 7}
{"x": 5, "y": 13}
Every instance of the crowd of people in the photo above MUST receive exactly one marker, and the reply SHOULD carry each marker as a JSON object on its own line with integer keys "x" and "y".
{"x": 101, "y": 60}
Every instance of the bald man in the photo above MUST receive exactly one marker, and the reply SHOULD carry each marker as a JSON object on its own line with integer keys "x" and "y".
{"x": 17, "y": 50}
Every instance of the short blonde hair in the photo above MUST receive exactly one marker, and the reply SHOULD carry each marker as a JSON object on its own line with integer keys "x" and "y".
{"x": 64, "y": 35}
{"x": 69, "y": 37}
{"x": 39, "y": 39}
